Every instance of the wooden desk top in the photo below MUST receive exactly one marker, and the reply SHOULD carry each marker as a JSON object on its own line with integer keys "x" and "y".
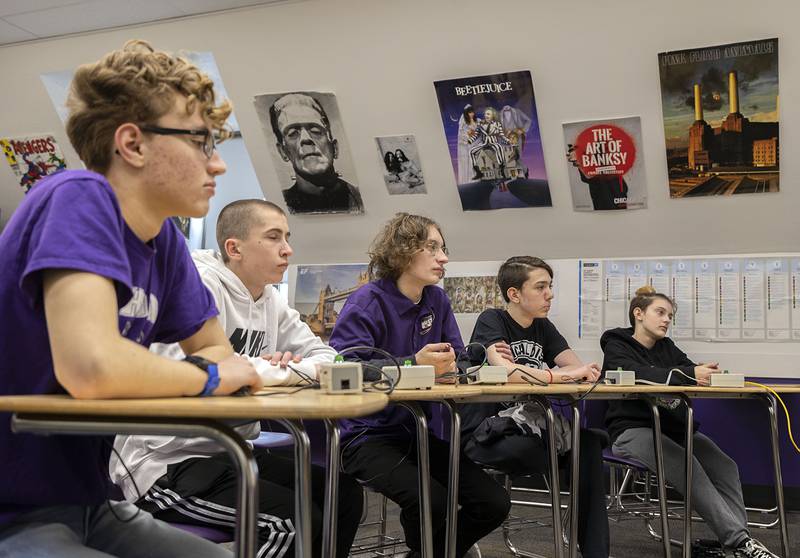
{"x": 438, "y": 392}
{"x": 528, "y": 389}
{"x": 512, "y": 389}
{"x": 306, "y": 404}
{"x": 693, "y": 391}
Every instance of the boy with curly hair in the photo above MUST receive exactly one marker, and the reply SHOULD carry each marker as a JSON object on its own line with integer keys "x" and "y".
{"x": 93, "y": 271}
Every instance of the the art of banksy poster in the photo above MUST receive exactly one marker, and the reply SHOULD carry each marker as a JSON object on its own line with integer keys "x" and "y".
{"x": 606, "y": 164}
{"x": 720, "y": 106}
{"x": 492, "y": 131}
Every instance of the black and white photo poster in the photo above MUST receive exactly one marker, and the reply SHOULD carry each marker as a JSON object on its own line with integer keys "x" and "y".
{"x": 310, "y": 150}
{"x": 399, "y": 161}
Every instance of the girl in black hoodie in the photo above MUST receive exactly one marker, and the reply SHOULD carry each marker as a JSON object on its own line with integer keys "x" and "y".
{"x": 646, "y": 349}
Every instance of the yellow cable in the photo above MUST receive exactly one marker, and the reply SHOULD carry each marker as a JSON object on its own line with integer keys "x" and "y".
{"x": 785, "y": 410}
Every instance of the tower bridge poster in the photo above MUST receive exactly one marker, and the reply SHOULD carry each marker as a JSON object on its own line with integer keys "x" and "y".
{"x": 720, "y": 109}
{"x": 320, "y": 291}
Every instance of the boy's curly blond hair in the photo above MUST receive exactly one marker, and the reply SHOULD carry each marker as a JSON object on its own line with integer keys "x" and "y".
{"x": 133, "y": 84}
{"x": 393, "y": 248}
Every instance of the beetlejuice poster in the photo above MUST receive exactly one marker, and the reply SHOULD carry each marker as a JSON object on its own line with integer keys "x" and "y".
{"x": 606, "y": 164}
{"x": 492, "y": 132}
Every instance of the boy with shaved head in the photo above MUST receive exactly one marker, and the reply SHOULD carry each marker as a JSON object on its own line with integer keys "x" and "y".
{"x": 193, "y": 480}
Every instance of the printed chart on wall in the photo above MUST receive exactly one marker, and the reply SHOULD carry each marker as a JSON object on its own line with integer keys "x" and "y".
{"x": 720, "y": 107}
{"x": 320, "y": 291}
{"x": 306, "y": 140}
{"x": 492, "y": 132}
{"x": 606, "y": 164}
{"x": 722, "y": 298}
{"x": 31, "y": 158}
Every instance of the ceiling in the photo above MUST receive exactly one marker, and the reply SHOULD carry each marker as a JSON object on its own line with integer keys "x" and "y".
{"x": 29, "y": 20}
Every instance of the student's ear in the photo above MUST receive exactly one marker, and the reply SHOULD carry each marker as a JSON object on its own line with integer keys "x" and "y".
{"x": 232, "y": 249}
{"x": 335, "y": 144}
{"x": 513, "y": 294}
{"x": 128, "y": 144}
{"x": 637, "y": 313}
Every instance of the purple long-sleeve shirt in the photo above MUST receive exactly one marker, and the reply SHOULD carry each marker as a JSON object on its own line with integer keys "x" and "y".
{"x": 379, "y": 315}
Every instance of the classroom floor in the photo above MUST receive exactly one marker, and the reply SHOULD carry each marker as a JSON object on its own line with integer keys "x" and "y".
{"x": 629, "y": 537}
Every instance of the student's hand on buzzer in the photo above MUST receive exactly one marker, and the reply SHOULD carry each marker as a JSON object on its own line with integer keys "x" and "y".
{"x": 703, "y": 371}
{"x": 281, "y": 359}
{"x": 438, "y": 355}
{"x": 504, "y": 350}
{"x": 588, "y": 372}
{"x": 236, "y": 372}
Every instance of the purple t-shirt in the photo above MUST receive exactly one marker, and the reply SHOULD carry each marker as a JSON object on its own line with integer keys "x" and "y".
{"x": 72, "y": 220}
{"x": 379, "y": 315}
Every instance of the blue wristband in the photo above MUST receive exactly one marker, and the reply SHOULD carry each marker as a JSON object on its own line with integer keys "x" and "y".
{"x": 212, "y": 382}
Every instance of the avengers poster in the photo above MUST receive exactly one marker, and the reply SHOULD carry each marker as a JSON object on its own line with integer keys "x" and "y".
{"x": 492, "y": 132}
{"x": 606, "y": 165}
{"x": 720, "y": 106}
{"x": 31, "y": 158}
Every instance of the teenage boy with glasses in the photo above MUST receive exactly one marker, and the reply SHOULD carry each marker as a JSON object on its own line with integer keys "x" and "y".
{"x": 93, "y": 271}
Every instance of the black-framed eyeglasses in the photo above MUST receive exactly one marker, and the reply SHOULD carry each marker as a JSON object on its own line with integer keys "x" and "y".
{"x": 209, "y": 140}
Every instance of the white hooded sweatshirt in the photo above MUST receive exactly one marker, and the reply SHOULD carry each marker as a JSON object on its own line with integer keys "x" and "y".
{"x": 254, "y": 328}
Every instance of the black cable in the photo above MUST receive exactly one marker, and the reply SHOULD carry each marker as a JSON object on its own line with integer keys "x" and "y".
{"x": 528, "y": 377}
{"x": 584, "y": 395}
{"x": 295, "y": 390}
{"x": 135, "y": 487}
{"x": 384, "y": 385}
{"x": 387, "y": 354}
{"x": 302, "y": 375}
{"x": 465, "y": 351}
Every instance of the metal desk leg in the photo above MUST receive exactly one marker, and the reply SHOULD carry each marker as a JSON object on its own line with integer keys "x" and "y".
{"x": 453, "y": 478}
{"x": 302, "y": 488}
{"x": 776, "y": 463}
{"x": 240, "y": 452}
{"x": 687, "y": 499}
{"x": 331, "y": 512}
{"x": 424, "y": 467}
{"x": 660, "y": 478}
{"x": 574, "y": 480}
{"x": 555, "y": 489}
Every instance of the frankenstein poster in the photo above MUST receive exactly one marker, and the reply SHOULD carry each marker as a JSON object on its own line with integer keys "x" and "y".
{"x": 720, "y": 107}
{"x": 492, "y": 132}
{"x": 307, "y": 143}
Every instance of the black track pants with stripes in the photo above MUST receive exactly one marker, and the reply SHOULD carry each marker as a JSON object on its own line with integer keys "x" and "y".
{"x": 202, "y": 491}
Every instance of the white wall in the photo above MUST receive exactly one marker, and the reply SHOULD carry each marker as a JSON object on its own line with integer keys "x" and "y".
{"x": 763, "y": 359}
{"x": 588, "y": 59}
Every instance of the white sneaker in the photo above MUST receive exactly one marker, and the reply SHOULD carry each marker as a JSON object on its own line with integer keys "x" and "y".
{"x": 751, "y": 548}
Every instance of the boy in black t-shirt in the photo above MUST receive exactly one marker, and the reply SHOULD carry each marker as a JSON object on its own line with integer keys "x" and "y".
{"x": 511, "y": 438}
